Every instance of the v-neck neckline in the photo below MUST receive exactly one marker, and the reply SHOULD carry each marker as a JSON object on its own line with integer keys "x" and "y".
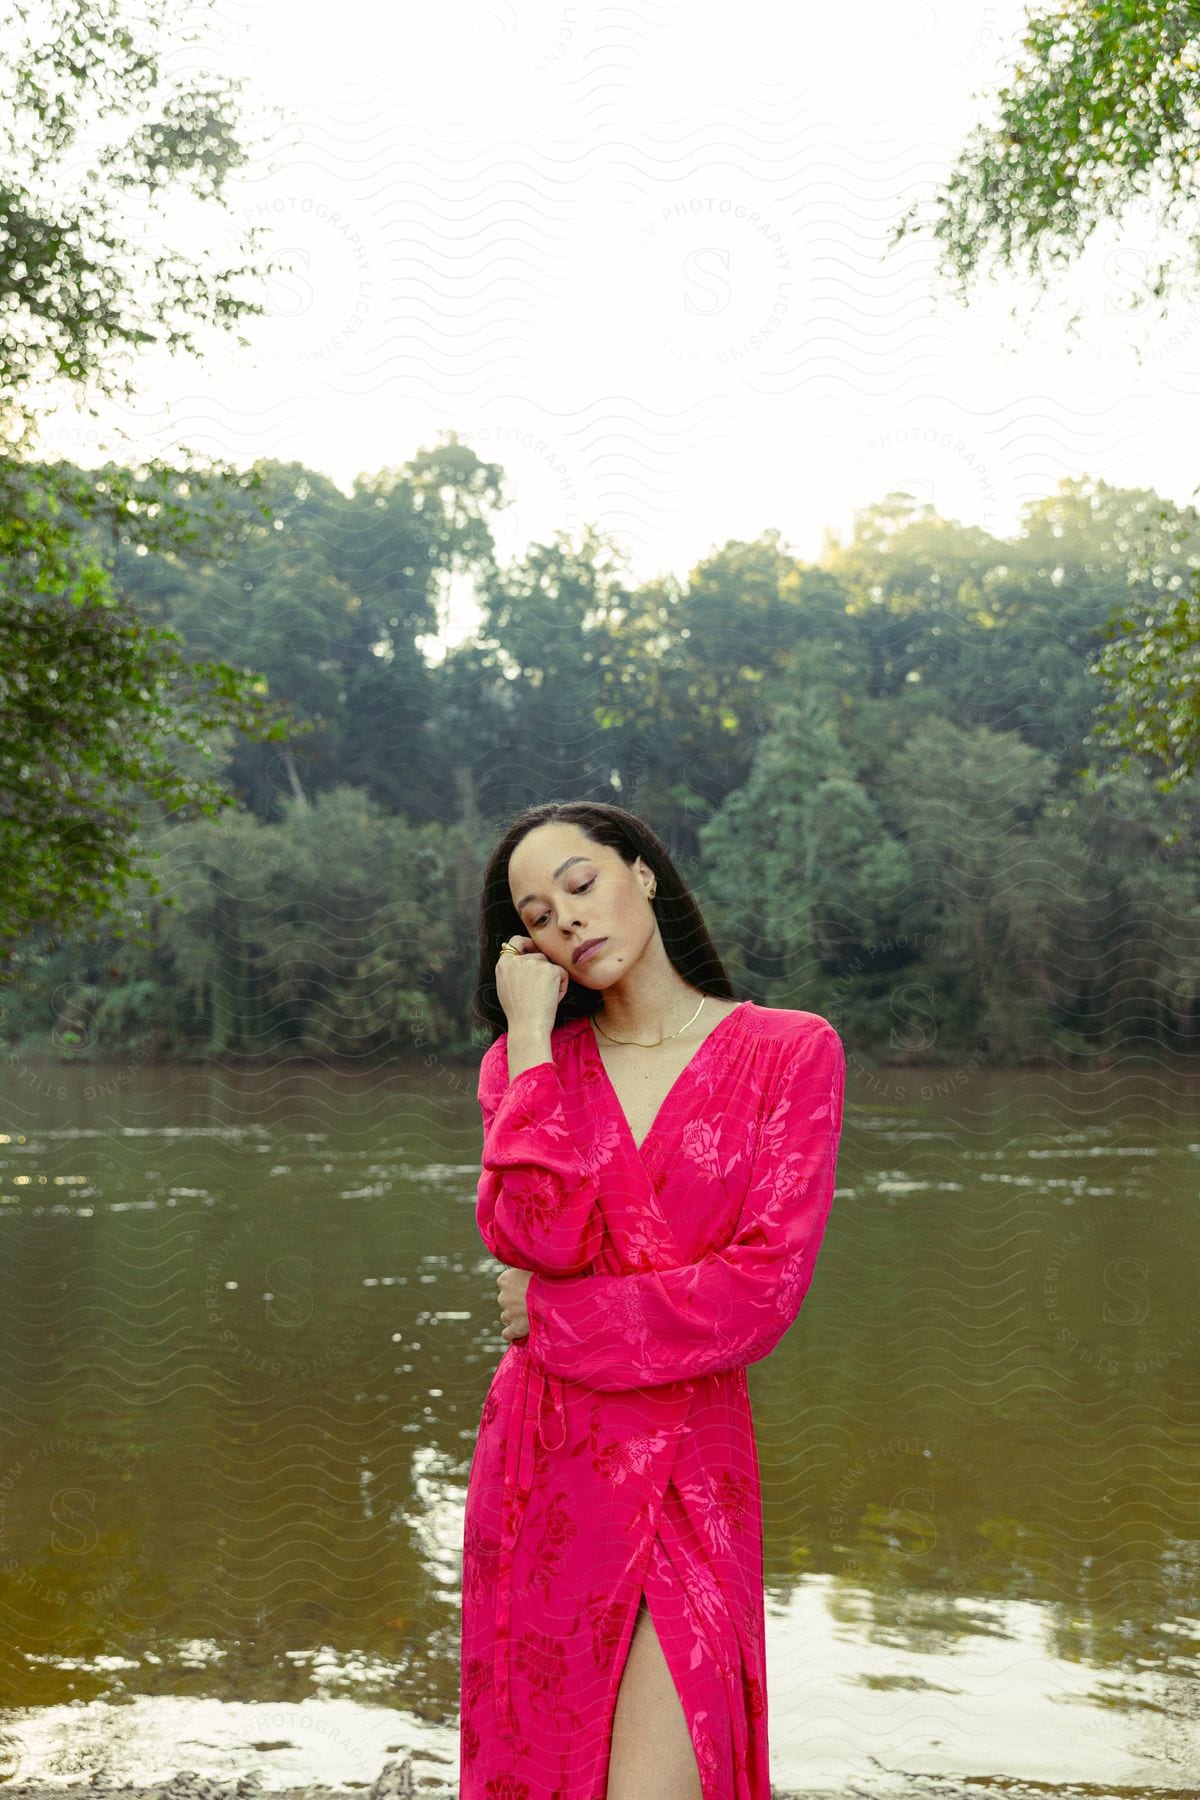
{"x": 639, "y": 1150}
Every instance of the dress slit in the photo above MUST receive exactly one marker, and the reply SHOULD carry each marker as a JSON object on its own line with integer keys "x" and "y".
{"x": 713, "y": 1709}
{"x": 600, "y": 1782}
{"x": 666, "y": 1632}
{"x": 697, "y": 1650}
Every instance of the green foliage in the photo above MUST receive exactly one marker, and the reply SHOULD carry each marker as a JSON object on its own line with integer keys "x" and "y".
{"x": 101, "y": 716}
{"x": 317, "y": 935}
{"x": 551, "y": 628}
{"x": 1099, "y": 112}
{"x": 967, "y": 805}
{"x": 100, "y": 119}
{"x": 1099, "y": 115}
{"x": 757, "y": 845}
{"x": 880, "y": 788}
{"x": 98, "y": 711}
{"x": 331, "y": 596}
{"x": 326, "y": 935}
{"x": 1151, "y": 661}
{"x": 857, "y": 875}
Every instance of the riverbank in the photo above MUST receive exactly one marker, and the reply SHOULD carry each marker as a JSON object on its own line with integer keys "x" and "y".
{"x": 399, "y": 1782}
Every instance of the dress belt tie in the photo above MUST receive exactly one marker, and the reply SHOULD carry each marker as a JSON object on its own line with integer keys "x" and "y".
{"x": 530, "y": 1390}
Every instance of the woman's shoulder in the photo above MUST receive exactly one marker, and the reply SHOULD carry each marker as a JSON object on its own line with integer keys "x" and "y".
{"x": 789, "y": 1024}
{"x": 798, "y": 1047}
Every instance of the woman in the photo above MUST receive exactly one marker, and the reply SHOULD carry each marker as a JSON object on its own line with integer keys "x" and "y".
{"x": 657, "y": 1171}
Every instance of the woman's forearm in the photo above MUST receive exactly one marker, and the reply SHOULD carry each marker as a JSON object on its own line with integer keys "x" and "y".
{"x": 526, "y": 1048}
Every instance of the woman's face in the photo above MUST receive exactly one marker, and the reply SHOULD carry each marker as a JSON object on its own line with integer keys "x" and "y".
{"x": 569, "y": 890}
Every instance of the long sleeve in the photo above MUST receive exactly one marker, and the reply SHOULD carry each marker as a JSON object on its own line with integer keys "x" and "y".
{"x": 537, "y": 1198}
{"x": 616, "y": 1332}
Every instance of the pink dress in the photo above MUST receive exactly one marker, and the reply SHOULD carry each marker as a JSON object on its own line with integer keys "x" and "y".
{"x": 616, "y": 1447}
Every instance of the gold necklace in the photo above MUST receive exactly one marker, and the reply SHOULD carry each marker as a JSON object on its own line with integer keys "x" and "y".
{"x": 657, "y": 1041}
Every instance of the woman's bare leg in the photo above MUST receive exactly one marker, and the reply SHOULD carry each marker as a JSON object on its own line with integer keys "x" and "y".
{"x": 652, "y": 1756}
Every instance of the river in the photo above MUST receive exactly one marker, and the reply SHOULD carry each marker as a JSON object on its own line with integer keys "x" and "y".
{"x": 246, "y": 1329}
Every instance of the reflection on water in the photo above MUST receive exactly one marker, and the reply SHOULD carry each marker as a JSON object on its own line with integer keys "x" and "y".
{"x": 246, "y": 1328}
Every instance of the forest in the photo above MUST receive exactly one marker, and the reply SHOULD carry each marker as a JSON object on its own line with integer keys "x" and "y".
{"x": 880, "y": 770}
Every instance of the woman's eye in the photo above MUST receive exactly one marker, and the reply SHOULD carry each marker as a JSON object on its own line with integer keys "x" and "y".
{"x": 578, "y": 890}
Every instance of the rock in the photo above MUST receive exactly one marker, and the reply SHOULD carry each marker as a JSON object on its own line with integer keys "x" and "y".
{"x": 396, "y": 1782}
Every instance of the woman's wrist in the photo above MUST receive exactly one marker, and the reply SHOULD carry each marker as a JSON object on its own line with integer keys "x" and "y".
{"x": 527, "y": 1047}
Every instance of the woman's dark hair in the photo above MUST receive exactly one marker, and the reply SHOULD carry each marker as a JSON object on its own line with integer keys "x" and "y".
{"x": 680, "y": 922}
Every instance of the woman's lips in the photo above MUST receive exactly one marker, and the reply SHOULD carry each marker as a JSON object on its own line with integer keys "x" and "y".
{"x": 586, "y": 955}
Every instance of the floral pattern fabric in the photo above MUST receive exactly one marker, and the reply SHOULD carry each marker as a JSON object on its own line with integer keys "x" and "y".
{"x": 616, "y": 1450}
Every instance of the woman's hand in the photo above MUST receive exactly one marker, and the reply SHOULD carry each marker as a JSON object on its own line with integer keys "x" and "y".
{"x": 529, "y": 986}
{"x": 512, "y": 1284}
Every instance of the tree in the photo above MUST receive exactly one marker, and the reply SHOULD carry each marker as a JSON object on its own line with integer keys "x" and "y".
{"x": 334, "y": 932}
{"x": 1101, "y": 112}
{"x": 331, "y": 601}
{"x": 99, "y": 714}
{"x": 760, "y": 852}
{"x": 1151, "y": 663}
{"x": 92, "y": 127}
{"x": 549, "y": 622}
{"x": 967, "y": 804}
{"x": 95, "y": 706}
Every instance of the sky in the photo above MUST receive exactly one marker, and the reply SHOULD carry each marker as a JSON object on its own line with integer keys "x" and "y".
{"x": 639, "y": 256}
